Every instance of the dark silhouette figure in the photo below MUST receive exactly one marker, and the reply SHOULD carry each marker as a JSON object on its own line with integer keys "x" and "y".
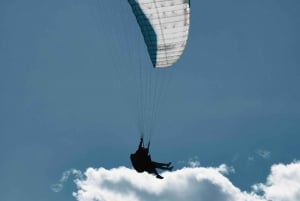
{"x": 141, "y": 161}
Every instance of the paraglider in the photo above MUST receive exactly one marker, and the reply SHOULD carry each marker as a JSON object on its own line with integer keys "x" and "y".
{"x": 141, "y": 161}
{"x": 165, "y": 26}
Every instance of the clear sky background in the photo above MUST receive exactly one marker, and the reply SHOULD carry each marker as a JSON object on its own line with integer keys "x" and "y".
{"x": 68, "y": 91}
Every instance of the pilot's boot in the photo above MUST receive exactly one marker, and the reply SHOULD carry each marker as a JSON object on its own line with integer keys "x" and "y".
{"x": 159, "y": 177}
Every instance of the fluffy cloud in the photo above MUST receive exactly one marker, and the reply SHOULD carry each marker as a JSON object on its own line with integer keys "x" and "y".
{"x": 283, "y": 184}
{"x": 65, "y": 176}
{"x": 193, "y": 184}
{"x": 189, "y": 183}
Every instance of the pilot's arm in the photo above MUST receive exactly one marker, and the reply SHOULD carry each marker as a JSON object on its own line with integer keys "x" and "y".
{"x": 141, "y": 143}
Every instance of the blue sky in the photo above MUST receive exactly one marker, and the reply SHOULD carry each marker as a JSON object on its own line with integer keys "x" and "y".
{"x": 68, "y": 91}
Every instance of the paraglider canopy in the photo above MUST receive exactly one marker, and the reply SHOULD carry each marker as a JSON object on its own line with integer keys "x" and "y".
{"x": 165, "y": 27}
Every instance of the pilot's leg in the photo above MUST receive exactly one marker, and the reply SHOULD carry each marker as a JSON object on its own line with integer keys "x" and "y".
{"x": 161, "y": 165}
{"x": 157, "y": 175}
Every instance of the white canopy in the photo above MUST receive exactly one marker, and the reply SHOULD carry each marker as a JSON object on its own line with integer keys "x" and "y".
{"x": 165, "y": 27}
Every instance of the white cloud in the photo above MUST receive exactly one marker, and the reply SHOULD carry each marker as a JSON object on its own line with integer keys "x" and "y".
{"x": 283, "y": 184}
{"x": 194, "y": 162}
{"x": 192, "y": 183}
{"x": 65, "y": 176}
{"x": 189, "y": 183}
